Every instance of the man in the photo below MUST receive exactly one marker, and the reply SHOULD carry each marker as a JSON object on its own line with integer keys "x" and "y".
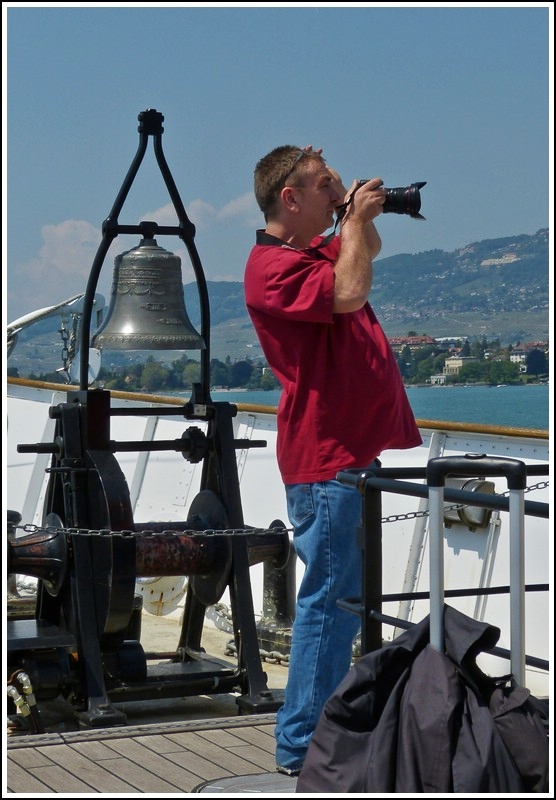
{"x": 343, "y": 403}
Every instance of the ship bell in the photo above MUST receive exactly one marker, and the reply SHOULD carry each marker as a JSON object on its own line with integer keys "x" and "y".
{"x": 147, "y": 306}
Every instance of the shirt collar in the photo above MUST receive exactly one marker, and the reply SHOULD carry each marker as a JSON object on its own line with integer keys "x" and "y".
{"x": 268, "y": 240}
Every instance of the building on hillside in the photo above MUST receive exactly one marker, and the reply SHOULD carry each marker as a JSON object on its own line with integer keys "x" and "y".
{"x": 451, "y": 341}
{"x": 398, "y": 343}
{"x": 453, "y": 365}
{"x": 519, "y": 356}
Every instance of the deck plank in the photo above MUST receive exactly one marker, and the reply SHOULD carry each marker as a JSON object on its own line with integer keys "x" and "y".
{"x": 60, "y": 780}
{"x": 29, "y": 757}
{"x": 112, "y": 755}
{"x": 141, "y": 779}
{"x": 205, "y": 770}
{"x": 179, "y": 776}
{"x": 233, "y": 742}
{"x": 260, "y": 737}
{"x": 25, "y": 783}
{"x": 91, "y": 773}
{"x": 162, "y": 744}
{"x": 200, "y": 747}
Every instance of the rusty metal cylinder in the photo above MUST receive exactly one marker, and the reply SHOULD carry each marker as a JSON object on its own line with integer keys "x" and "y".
{"x": 169, "y": 553}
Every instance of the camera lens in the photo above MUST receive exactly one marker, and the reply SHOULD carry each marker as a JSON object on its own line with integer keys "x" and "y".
{"x": 404, "y": 200}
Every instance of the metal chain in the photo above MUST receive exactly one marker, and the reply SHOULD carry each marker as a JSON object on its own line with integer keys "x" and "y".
{"x": 73, "y": 337}
{"x": 268, "y": 656}
{"x": 64, "y": 335}
{"x": 221, "y": 616}
{"x": 69, "y": 343}
{"x": 32, "y": 528}
{"x": 425, "y": 513}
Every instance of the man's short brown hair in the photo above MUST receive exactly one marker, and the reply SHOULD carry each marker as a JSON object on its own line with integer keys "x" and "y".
{"x": 277, "y": 169}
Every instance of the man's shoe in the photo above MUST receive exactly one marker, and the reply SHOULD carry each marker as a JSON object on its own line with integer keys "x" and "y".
{"x": 293, "y": 773}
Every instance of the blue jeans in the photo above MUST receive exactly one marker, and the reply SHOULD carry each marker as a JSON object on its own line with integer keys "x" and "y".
{"x": 324, "y": 517}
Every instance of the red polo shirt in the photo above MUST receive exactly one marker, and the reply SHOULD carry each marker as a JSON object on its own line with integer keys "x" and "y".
{"x": 343, "y": 399}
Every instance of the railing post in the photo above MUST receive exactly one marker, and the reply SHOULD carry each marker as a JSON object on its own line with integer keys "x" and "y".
{"x": 370, "y": 534}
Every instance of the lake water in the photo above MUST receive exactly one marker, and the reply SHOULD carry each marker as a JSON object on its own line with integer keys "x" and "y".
{"x": 513, "y": 406}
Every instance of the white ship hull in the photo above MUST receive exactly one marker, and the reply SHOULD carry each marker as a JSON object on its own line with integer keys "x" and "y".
{"x": 162, "y": 485}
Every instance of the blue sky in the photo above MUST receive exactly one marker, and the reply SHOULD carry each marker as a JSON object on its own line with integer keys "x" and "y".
{"x": 454, "y": 95}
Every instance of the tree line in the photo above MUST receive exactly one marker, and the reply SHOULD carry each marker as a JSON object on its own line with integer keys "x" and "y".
{"x": 417, "y": 365}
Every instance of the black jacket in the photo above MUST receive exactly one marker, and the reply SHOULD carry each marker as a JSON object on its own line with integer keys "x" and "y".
{"x": 408, "y": 718}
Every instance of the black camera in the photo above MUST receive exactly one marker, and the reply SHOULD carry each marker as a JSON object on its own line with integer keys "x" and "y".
{"x": 403, "y": 200}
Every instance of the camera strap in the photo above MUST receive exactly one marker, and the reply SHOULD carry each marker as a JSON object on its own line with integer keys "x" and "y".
{"x": 267, "y": 240}
{"x": 341, "y": 209}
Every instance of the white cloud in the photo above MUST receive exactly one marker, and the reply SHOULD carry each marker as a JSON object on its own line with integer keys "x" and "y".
{"x": 244, "y": 209}
{"x": 201, "y": 214}
{"x": 63, "y": 263}
{"x": 60, "y": 270}
{"x": 69, "y": 247}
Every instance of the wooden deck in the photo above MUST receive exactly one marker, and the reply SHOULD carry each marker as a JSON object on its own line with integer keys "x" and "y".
{"x": 170, "y": 758}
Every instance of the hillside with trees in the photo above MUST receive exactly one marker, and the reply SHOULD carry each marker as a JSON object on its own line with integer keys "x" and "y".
{"x": 497, "y": 288}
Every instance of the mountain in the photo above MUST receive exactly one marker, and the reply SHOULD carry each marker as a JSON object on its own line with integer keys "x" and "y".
{"x": 496, "y": 288}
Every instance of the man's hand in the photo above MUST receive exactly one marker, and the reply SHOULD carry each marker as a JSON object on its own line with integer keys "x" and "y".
{"x": 365, "y": 200}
